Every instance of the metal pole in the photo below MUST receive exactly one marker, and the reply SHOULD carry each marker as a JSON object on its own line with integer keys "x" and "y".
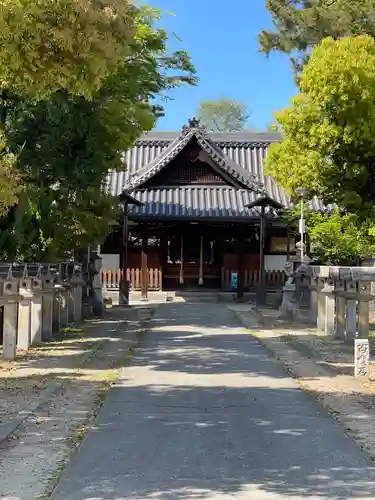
{"x": 303, "y": 194}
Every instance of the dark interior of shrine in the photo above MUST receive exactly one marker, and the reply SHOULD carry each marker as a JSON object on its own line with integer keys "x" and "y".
{"x": 188, "y": 251}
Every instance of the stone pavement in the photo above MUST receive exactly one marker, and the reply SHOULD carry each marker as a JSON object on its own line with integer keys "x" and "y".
{"x": 204, "y": 414}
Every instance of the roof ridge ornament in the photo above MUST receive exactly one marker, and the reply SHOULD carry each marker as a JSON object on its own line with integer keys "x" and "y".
{"x": 193, "y": 124}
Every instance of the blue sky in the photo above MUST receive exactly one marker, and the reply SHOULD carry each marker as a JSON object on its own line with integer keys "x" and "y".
{"x": 221, "y": 38}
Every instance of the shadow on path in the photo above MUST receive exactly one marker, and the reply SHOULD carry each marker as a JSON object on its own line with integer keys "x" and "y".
{"x": 203, "y": 413}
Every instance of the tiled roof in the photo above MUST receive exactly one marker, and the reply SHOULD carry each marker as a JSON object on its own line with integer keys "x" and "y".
{"x": 220, "y": 138}
{"x": 171, "y": 150}
{"x": 245, "y": 150}
{"x": 198, "y": 202}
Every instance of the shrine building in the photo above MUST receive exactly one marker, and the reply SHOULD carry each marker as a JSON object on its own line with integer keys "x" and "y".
{"x": 199, "y": 214}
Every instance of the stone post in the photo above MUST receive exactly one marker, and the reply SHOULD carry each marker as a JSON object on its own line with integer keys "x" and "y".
{"x": 286, "y": 309}
{"x": 340, "y": 309}
{"x": 47, "y": 308}
{"x": 361, "y": 291}
{"x": 69, "y": 302}
{"x": 24, "y": 314}
{"x": 320, "y": 323}
{"x": 370, "y": 264}
{"x": 63, "y": 306}
{"x": 361, "y": 358}
{"x": 314, "y": 300}
{"x": 97, "y": 286}
{"x": 329, "y": 317}
{"x": 351, "y": 311}
{"x": 77, "y": 284}
{"x": 36, "y": 312}
{"x": 364, "y": 309}
{"x": 10, "y": 318}
{"x": 56, "y": 311}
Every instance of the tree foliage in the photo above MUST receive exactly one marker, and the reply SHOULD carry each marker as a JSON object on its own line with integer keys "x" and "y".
{"x": 328, "y": 143}
{"x": 65, "y": 143}
{"x": 9, "y": 180}
{"x": 336, "y": 238}
{"x": 301, "y": 24}
{"x": 223, "y": 115}
{"x": 335, "y": 157}
{"x": 62, "y": 44}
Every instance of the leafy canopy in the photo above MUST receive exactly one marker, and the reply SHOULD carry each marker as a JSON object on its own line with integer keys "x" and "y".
{"x": 336, "y": 161}
{"x": 301, "y": 24}
{"x": 62, "y": 44}
{"x": 9, "y": 179}
{"x": 65, "y": 143}
{"x": 223, "y": 115}
{"x": 336, "y": 238}
{"x": 328, "y": 144}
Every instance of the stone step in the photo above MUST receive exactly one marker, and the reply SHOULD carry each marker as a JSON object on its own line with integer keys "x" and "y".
{"x": 152, "y": 297}
{"x": 193, "y": 296}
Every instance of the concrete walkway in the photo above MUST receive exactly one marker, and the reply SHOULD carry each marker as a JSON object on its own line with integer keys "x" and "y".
{"x": 204, "y": 414}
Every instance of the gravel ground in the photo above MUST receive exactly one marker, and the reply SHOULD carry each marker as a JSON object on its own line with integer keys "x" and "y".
{"x": 323, "y": 367}
{"x": 33, "y": 458}
{"x": 22, "y": 380}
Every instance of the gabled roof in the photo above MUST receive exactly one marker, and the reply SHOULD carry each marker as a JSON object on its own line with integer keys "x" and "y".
{"x": 222, "y": 139}
{"x": 244, "y": 150}
{"x": 242, "y": 177}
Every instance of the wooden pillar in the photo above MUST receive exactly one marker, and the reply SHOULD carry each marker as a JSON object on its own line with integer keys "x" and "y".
{"x": 261, "y": 295}
{"x": 124, "y": 285}
{"x": 163, "y": 255}
{"x": 168, "y": 250}
{"x": 144, "y": 270}
{"x": 182, "y": 261}
{"x": 200, "y": 280}
{"x": 241, "y": 269}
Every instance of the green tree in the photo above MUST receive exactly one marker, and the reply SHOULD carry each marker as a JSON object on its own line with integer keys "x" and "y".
{"x": 70, "y": 142}
{"x": 335, "y": 237}
{"x": 64, "y": 44}
{"x": 328, "y": 144}
{"x": 223, "y": 115}
{"x": 46, "y": 46}
{"x": 301, "y": 24}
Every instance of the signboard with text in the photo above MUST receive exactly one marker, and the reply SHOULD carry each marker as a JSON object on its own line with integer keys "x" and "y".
{"x": 234, "y": 280}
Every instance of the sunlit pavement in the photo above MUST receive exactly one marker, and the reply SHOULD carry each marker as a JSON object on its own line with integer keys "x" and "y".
{"x": 204, "y": 414}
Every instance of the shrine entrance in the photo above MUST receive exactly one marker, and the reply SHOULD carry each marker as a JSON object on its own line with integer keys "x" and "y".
{"x": 193, "y": 259}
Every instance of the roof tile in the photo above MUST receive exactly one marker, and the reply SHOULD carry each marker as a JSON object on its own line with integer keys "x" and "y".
{"x": 244, "y": 149}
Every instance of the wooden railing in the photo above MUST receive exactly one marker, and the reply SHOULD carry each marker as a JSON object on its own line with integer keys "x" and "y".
{"x": 111, "y": 278}
{"x": 274, "y": 279}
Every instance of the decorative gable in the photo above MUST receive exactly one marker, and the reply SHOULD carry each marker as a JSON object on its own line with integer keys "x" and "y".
{"x": 192, "y": 166}
{"x": 195, "y": 141}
